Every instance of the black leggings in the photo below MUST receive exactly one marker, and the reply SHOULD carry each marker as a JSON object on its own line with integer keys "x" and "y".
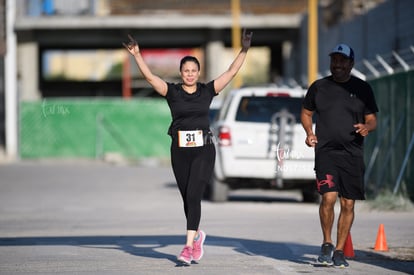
{"x": 193, "y": 168}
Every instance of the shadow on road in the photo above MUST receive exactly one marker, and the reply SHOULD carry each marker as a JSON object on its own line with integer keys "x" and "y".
{"x": 261, "y": 198}
{"x": 149, "y": 247}
{"x": 257, "y": 195}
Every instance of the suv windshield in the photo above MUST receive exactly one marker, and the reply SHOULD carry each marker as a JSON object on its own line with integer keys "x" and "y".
{"x": 261, "y": 109}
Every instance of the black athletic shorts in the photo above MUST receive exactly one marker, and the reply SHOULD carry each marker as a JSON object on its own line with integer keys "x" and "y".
{"x": 339, "y": 171}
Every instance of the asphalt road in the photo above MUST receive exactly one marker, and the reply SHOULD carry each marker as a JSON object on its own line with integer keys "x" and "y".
{"x": 79, "y": 217}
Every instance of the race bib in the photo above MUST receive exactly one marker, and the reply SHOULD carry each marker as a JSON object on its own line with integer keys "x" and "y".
{"x": 190, "y": 138}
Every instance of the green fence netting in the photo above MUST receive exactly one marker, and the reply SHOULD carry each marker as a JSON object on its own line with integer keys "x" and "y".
{"x": 92, "y": 128}
{"x": 388, "y": 155}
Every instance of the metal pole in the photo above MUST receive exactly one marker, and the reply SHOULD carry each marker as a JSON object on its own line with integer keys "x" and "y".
{"x": 10, "y": 72}
{"x": 376, "y": 149}
{"x": 407, "y": 155}
{"x": 99, "y": 136}
{"x": 312, "y": 40}
{"x": 389, "y": 152}
{"x": 126, "y": 78}
{"x": 236, "y": 35}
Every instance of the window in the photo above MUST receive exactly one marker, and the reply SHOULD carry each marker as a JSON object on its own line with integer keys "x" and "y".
{"x": 261, "y": 109}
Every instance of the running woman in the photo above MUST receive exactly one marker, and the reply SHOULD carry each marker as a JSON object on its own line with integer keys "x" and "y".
{"x": 192, "y": 150}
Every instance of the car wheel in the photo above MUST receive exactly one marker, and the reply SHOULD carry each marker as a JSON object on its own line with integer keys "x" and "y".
{"x": 218, "y": 190}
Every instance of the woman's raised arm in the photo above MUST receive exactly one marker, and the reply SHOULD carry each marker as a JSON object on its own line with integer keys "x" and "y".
{"x": 159, "y": 85}
{"x": 225, "y": 78}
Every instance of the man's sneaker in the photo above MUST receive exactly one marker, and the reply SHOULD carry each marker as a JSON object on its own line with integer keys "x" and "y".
{"x": 339, "y": 259}
{"x": 186, "y": 255}
{"x": 198, "y": 249}
{"x": 327, "y": 250}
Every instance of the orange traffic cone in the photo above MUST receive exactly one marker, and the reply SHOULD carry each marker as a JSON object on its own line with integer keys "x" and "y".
{"x": 349, "y": 248}
{"x": 381, "y": 243}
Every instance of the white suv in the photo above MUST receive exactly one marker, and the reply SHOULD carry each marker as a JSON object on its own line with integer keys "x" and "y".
{"x": 261, "y": 143}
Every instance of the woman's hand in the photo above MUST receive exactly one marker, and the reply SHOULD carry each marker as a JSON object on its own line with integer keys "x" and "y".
{"x": 246, "y": 40}
{"x": 132, "y": 46}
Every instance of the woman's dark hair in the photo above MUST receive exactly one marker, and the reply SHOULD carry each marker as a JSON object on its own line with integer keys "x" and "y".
{"x": 189, "y": 58}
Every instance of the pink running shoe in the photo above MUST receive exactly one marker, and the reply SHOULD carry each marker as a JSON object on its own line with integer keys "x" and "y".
{"x": 198, "y": 249}
{"x": 186, "y": 255}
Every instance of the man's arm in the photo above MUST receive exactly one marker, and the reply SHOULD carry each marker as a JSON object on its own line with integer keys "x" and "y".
{"x": 307, "y": 123}
{"x": 369, "y": 125}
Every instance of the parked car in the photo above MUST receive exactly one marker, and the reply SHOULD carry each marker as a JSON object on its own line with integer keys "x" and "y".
{"x": 214, "y": 108}
{"x": 260, "y": 143}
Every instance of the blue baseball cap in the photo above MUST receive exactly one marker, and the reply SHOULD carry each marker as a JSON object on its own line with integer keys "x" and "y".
{"x": 344, "y": 50}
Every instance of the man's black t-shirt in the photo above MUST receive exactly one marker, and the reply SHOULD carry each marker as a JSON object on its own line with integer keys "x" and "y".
{"x": 189, "y": 111}
{"x": 338, "y": 106}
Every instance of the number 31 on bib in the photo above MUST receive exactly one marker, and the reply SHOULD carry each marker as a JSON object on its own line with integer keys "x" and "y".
{"x": 190, "y": 138}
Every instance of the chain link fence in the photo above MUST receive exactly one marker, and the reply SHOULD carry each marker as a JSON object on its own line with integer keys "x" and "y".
{"x": 90, "y": 128}
{"x": 389, "y": 150}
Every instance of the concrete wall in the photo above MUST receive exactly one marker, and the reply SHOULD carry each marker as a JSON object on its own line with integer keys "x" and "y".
{"x": 28, "y": 72}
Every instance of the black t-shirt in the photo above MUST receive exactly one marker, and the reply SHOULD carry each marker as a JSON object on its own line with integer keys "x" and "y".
{"x": 338, "y": 106}
{"x": 189, "y": 111}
